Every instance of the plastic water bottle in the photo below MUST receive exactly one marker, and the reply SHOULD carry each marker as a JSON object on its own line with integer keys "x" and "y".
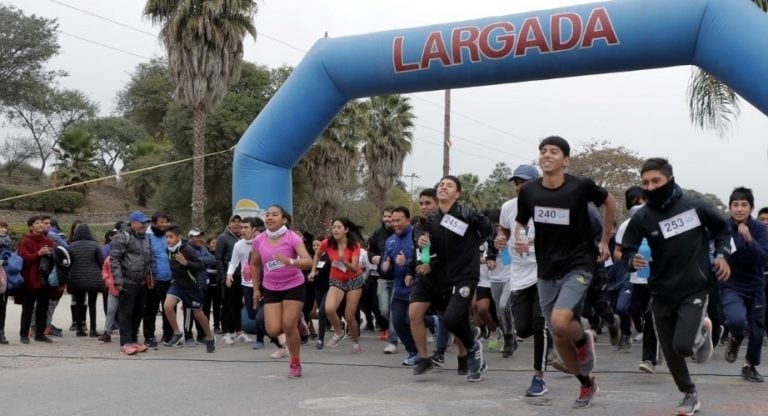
{"x": 522, "y": 237}
{"x": 645, "y": 252}
{"x": 506, "y": 258}
{"x": 425, "y": 254}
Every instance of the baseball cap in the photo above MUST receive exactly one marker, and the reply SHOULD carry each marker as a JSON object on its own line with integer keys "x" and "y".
{"x": 193, "y": 232}
{"x": 138, "y": 216}
{"x": 525, "y": 172}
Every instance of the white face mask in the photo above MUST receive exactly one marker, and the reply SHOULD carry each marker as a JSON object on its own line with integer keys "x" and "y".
{"x": 277, "y": 234}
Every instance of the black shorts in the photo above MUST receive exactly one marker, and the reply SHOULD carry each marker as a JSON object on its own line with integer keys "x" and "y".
{"x": 297, "y": 293}
{"x": 424, "y": 291}
{"x": 190, "y": 298}
{"x": 483, "y": 293}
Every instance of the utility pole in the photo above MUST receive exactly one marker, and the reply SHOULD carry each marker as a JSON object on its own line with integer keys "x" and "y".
{"x": 447, "y": 134}
{"x": 412, "y": 176}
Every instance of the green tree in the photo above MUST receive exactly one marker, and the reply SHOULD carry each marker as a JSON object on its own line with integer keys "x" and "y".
{"x": 225, "y": 125}
{"x": 327, "y": 175}
{"x": 16, "y": 153}
{"x": 45, "y": 113}
{"x": 113, "y": 138}
{"x": 388, "y": 141}
{"x": 148, "y": 96}
{"x": 712, "y": 104}
{"x": 26, "y": 44}
{"x": 147, "y": 153}
{"x": 709, "y": 198}
{"x": 76, "y": 156}
{"x": 204, "y": 40}
{"x": 614, "y": 168}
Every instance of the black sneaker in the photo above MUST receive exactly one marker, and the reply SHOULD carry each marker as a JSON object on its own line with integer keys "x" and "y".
{"x": 438, "y": 359}
{"x": 151, "y": 343}
{"x": 614, "y": 330}
{"x": 749, "y": 373}
{"x": 177, "y": 340}
{"x": 210, "y": 345}
{"x": 25, "y": 340}
{"x": 463, "y": 367}
{"x": 689, "y": 405}
{"x": 424, "y": 365}
{"x": 43, "y": 338}
{"x": 510, "y": 345}
{"x": 732, "y": 352}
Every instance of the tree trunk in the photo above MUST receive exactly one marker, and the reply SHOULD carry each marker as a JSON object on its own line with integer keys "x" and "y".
{"x": 198, "y": 167}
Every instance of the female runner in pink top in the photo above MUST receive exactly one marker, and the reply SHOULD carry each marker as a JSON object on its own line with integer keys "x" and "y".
{"x": 276, "y": 261}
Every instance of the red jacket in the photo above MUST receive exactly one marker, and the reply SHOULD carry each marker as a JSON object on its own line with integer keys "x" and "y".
{"x": 28, "y": 248}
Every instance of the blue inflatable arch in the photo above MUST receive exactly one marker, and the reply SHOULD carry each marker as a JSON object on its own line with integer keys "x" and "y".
{"x": 728, "y": 38}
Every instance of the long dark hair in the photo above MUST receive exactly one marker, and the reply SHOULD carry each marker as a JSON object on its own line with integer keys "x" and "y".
{"x": 352, "y": 238}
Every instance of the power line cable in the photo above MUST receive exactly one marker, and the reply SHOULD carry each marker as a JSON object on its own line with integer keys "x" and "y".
{"x": 153, "y": 35}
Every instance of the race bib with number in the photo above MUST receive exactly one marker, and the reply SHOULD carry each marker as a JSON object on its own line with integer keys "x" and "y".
{"x": 339, "y": 265}
{"x": 454, "y": 224}
{"x": 549, "y": 215}
{"x": 274, "y": 265}
{"x": 680, "y": 223}
{"x": 320, "y": 264}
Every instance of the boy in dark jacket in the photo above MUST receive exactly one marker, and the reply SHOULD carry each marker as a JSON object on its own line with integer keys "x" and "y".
{"x": 185, "y": 266}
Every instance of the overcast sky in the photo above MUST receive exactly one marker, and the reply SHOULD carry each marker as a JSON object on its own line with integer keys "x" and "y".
{"x": 645, "y": 111}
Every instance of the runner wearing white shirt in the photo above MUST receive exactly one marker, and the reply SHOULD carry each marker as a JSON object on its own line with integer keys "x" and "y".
{"x": 524, "y": 299}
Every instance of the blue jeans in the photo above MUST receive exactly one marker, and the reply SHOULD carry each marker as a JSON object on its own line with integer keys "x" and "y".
{"x": 443, "y": 336}
{"x": 621, "y": 300}
{"x": 746, "y": 313}
{"x": 384, "y": 296}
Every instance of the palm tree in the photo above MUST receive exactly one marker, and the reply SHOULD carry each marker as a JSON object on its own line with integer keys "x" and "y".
{"x": 388, "y": 140}
{"x": 204, "y": 40}
{"x": 330, "y": 168}
{"x": 712, "y": 104}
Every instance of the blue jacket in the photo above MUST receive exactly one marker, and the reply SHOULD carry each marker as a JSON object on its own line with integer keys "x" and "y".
{"x": 162, "y": 269}
{"x": 392, "y": 247}
{"x": 55, "y": 235}
{"x": 748, "y": 261}
{"x": 208, "y": 260}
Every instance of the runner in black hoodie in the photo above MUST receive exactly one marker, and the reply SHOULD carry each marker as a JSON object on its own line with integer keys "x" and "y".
{"x": 678, "y": 229}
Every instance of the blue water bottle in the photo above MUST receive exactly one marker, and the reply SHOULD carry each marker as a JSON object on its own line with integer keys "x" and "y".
{"x": 645, "y": 252}
{"x": 506, "y": 258}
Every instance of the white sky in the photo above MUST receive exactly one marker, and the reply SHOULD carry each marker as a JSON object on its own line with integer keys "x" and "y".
{"x": 645, "y": 111}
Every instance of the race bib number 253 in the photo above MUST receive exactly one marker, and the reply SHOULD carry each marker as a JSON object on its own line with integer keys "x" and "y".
{"x": 680, "y": 223}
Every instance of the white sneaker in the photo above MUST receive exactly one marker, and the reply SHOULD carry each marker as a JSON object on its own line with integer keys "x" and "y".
{"x": 390, "y": 348}
{"x": 244, "y": 338}
{"x": 638, "y": 337}
{"x": 430, "y": 338}
{"x": 280, "y": 353}
{"x": 229, "y": 339}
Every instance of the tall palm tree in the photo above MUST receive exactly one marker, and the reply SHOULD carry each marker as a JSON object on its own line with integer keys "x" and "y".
{"x": 712, "y": 104}
{"x": 330, "y": 168}
{"x": 204, "y": 40}
{"x": 388, "y": 141}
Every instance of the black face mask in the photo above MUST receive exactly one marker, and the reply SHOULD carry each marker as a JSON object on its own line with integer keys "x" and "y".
{"x": 657, "y": 197}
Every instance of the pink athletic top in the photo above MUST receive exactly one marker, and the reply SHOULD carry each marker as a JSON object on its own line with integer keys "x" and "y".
{"x": 275, "y": 275}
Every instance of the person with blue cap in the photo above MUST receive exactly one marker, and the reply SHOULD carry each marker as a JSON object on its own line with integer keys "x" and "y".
{"x": 131, "y": 265}
{"x": 524, "y": 301}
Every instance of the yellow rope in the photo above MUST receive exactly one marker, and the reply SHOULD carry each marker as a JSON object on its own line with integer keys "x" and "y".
{"x": 130, "y": 172}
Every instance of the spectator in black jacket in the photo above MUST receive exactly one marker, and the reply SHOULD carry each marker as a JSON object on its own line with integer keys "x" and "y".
{"x": 85, "y": 277}
{"x": 378, "y": 290}
{"x": 232, "y": 296}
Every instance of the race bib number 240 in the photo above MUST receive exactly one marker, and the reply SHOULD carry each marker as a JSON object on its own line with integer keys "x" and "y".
{"x": 549, "y": 215}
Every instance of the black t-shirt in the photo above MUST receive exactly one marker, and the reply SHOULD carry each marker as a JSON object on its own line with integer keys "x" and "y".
{"x": 564, "y": 239}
